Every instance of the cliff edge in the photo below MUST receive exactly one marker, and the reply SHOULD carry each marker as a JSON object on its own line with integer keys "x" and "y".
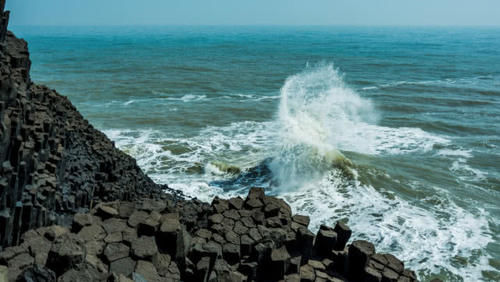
{"x": 53, "y": 163}
{"x": 75, "y": 208}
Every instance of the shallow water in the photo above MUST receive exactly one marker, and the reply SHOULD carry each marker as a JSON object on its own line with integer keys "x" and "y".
{"x": 394, "y": 130}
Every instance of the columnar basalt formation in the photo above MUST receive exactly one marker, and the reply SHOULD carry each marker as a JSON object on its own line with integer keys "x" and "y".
{"x": 74, "y": 208}
{"x": 53, "y": 163}
{"x": 251, "y": 239}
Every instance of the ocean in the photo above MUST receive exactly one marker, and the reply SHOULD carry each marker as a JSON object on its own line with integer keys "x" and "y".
{"x": 394, "y": 130}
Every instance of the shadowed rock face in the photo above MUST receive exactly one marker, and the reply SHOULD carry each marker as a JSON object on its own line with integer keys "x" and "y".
{"x": 74, "y": 208}
{"x": 53, "y": 163}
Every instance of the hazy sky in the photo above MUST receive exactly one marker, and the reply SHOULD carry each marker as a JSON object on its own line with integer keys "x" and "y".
{"x": 254, "y": 12}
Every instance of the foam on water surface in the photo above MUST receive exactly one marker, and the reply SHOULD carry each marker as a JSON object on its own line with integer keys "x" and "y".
{"x": 320, "y": 117}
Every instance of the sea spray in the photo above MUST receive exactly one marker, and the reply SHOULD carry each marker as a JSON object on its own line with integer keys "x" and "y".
{"x": 317, "y": 109}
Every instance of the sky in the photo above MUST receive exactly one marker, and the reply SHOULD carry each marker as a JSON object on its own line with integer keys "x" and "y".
{"x": 255, "y": 12}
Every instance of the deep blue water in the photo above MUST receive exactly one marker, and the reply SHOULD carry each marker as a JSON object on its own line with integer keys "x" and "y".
{"x": 416, "y": 111}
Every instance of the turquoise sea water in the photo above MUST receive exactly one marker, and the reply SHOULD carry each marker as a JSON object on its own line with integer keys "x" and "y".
{"x": 394, "y": 130}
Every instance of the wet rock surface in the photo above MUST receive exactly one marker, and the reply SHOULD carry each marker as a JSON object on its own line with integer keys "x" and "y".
{"x": 74, "y": 208}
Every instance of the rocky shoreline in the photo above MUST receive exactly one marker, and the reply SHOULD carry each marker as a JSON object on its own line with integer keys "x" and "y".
{"x": 75, "y": 208}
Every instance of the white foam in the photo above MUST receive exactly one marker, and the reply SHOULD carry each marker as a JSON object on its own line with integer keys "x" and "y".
{"x": 319, "y": 115}
{"x": 453, "y": 152}
{"x": 465, "y": 172}
{"x": 426, "y": 239}
{"x": 190, "y": 97}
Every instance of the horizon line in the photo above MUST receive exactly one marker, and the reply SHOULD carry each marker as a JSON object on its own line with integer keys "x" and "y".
{"x": 258, "y": 25}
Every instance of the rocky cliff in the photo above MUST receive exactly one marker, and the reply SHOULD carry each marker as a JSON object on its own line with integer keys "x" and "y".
{"x": 74, "y": 208}
{"x": 53, "y": 162}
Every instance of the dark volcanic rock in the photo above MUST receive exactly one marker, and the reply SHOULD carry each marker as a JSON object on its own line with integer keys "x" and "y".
{"x": 53, "y": 163}
{"x": 67, "y": 252}
{"x": 58, "y": 172}
{"x": 37, "y": 273}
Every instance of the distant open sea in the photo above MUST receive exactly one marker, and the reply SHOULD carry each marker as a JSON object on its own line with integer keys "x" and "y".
{"x": 394, "y": 130}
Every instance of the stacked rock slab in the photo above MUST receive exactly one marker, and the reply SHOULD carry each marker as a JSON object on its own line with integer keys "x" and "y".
{"x": 53, "y": 163}
{"x": 252, "y": 239}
